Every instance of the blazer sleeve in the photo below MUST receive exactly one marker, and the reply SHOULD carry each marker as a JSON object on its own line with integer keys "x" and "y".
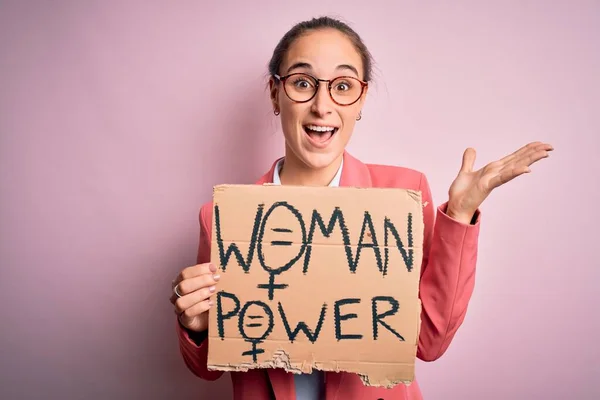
{"x": 194, "y": 346}
{"x": 447, "y": 275}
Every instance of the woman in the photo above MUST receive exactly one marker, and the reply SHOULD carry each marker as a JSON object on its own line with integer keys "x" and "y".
{"x": 319, "y": 80}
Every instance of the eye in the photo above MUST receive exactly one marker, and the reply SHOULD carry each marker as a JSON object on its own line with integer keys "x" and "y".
{"x": 343, "y": 86}
{"x": 302, "y": 83}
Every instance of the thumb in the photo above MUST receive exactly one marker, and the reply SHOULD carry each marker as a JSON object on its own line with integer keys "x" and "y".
{"x": 468, "y": 160}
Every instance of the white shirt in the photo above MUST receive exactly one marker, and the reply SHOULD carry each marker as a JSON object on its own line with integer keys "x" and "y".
{"x": 308, "y": 386}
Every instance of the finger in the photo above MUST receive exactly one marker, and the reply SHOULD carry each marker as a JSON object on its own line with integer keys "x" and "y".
{"x": 517, "y": 153}
{"x": 546, "y": 146}
{"x": 527, "y": 156}
{"x": 507, "y": 175}
{"x": 537, "y": 156}
{"x": 533, "y": 156}
{"x": 468, "y": 160}
{"x": 191, "y": 285}
{"x": 174, "y": 297}
{"x": 530, "y": 147}
{"x": 194, "y": 271}
{"x": 195, "y": 310}
{"x": 188, "y": 301}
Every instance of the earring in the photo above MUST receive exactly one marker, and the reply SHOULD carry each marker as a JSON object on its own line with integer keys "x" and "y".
{"x": 276, "y": 112}
{"x": 359, "y": 116}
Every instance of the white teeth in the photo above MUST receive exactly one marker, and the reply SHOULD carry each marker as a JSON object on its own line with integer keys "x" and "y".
{"x": 320, "y": 128}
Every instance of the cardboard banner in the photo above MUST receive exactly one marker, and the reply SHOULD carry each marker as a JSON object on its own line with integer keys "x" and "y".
{"x": 320, "y": 278}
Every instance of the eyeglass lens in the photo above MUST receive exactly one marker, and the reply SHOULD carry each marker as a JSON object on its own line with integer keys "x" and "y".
{"x": 344, "y": 90}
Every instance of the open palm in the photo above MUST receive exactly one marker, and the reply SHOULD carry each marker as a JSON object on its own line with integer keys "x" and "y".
{"x": 471, "y": 188}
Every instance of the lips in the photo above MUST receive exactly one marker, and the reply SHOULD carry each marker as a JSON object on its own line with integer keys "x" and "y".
{"x": 319, "y": 135}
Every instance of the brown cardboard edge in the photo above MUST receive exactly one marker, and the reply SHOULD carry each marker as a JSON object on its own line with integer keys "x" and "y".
{"x": 281, "y": 360}
{"x": 386, "y": 384}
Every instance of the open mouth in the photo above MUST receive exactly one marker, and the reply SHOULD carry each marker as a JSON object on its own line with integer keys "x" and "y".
{"x": 320, "y": 135}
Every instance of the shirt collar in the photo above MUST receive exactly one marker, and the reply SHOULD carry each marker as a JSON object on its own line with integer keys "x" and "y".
{"x": 334, "y": 182}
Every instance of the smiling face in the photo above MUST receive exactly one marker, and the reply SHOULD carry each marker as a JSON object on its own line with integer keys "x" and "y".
{"x": 317, "y": 131}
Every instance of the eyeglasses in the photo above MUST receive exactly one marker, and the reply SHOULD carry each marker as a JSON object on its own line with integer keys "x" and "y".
{"x": 344, "y": 90}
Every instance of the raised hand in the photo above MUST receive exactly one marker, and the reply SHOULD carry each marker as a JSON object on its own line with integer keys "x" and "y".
{"x": 191, "y": 295}
{"x": 471, "y": 188}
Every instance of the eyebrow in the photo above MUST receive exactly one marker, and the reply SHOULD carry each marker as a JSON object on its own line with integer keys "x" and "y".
{"x": 309, "y": 67}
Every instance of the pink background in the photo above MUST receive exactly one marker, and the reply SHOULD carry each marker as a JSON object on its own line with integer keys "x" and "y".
{"x": 116, "y": 118}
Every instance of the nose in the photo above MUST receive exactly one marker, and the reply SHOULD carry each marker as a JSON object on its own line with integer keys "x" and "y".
{"x": 322, "y": 104}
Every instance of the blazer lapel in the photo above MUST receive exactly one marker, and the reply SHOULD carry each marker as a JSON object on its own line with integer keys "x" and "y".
{"x": 268, "y": 177}
{"x": 355, "y": 173}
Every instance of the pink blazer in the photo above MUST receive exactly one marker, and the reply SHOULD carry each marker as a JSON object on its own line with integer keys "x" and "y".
{"x": 447, "y": 280}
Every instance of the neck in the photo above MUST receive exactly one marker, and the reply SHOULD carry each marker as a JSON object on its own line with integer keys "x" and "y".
{"x": 294, "y": 172}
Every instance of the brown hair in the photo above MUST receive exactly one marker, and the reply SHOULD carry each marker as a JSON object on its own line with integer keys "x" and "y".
{"x": 304, "y": 27}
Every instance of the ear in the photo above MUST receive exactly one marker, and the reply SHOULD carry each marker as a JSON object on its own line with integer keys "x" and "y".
{"x": 274, "y": 93}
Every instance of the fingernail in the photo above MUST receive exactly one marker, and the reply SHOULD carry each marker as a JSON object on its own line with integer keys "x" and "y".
{"x": 212, "y": 267}
{"x": 210, "y": 303}
{"x": 216, "y": 277}
{"x": 211, "y": 289}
